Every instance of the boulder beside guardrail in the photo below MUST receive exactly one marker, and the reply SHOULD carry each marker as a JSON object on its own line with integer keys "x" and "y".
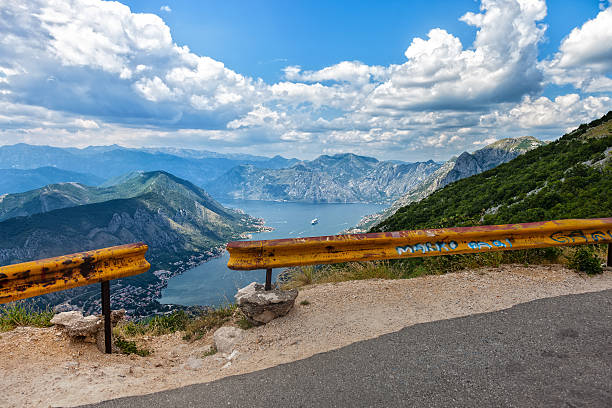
{"x": 278, "y": 253}
{"x": 29, "y": 279}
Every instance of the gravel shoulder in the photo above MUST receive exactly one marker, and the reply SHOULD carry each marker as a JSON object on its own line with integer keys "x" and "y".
{"x": 41, "y": 368}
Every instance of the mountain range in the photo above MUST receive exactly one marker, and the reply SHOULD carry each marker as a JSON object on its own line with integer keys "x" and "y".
{"x": 341, "y": 178}
{"x": 457, "y": 168}
{"x": 17, "y": 180}
{"x": 98, "y": 163}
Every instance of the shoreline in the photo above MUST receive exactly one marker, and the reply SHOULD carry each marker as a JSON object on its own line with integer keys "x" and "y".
{"x": 164, "y": 276}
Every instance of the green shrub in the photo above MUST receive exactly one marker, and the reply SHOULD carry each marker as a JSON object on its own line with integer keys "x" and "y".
{"x": 211, "y": 352}
{"x": 130, "y": 347}
{"x": 156, "y": 325}
{"x": 20, "y": 314}
{"x": 584, "y": 259}
{"x": 198, "y": 327}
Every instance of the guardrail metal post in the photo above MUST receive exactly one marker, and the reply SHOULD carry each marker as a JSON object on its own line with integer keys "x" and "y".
{"x": 609, "y": 254}
{"x": 268, "y": 279}
{"x": 106, "y": 312}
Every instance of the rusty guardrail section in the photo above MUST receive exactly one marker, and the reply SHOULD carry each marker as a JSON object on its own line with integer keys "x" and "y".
{"x": 29, "y": 279}
{"x": 249, "y": 255}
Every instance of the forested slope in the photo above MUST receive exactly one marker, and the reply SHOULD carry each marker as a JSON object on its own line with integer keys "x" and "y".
{"x": 568, "y": 178}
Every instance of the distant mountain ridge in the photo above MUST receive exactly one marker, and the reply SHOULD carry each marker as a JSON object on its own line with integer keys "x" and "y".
{"x": 568, "y": 178}
{"x": 457, "y": 168}
{"x": 17, "y": 181}
{"x": 104, "y": 162}
{"x": 341, "y": 178}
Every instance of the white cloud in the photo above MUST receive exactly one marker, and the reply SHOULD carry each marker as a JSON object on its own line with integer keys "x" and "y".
{"x": 562, "y": 112}
{"x": 91, "y": 71}
{"x": 345, "y": 71}
{"x": 484, "y": 142}
{"x": 441, "y": 74}
{"x": 260, "y": 116}
{"x": 106, "y": 60}
{"x": 165, "y": 8}
{"x": 86, "y": 123}
{"x": 585, "y": 56}
{"x": 442, "y": 140}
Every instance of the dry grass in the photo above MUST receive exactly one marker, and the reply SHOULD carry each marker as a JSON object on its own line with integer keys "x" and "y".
{"x": 20, "y": 314}
{"x": 410, "y": 268}
{"x": 194, "y": 327}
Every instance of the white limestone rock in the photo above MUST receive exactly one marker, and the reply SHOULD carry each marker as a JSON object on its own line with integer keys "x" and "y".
{"x": 226, "y": 338}
{"x": 75, "y": 325}
{"x": 86, "y": 328}
{"x": 194, "y": 363}
{"x": 261, "y": 306}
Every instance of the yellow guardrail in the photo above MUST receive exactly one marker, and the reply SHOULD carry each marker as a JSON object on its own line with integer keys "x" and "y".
{"x": 25, "y": 280}
{"x": 35, "y": 278}
{"x": 249, "y": 255}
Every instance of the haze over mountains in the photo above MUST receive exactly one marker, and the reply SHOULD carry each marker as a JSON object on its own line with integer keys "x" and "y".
{"x": 345, "y": 178}
{"x": 103, "y": 162}
{"x": 341, "y": 178}
{"x": 17, "y": 180}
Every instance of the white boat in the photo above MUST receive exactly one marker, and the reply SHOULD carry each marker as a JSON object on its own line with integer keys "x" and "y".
{"x": 315, "y": 221}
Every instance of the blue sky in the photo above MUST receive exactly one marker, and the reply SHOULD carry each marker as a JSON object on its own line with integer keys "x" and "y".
{"x": 393, "y": 79}
{"x": 260, "y": 40}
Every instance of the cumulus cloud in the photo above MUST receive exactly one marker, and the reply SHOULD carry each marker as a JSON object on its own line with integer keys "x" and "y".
{"x": 563, "y": 111}
{"x": 165, "y": 8}
{"x": 346, "y": 71}
{"x": 585, "y": 56}
{"x": 99, "y": 58}
{"x": 260, "y": 116}
{"x": 90, "y": 71}
{"x": 500, "y": 67}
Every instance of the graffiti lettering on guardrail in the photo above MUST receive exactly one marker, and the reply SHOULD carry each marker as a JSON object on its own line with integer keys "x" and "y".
{"x": 496, "y": 243}
{"x": 441, "y": 246}
{"x": 428, "y": 247}
{"x": 567, "y": 237}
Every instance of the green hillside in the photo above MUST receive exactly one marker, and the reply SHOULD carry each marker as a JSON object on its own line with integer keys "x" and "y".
{"x": 180, "y": 222}
{"x": 63, "y": 195}
{"x": 568, "y": 178}
{"x": 171, "y": 215}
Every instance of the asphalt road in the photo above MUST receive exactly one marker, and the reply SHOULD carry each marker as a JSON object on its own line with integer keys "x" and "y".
{"x": 553, "y": 352}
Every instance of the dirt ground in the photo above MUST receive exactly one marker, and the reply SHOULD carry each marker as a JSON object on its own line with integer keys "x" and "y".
{"x": 42, "y": 368}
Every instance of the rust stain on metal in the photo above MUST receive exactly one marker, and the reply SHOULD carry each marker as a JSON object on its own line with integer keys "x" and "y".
{"x": 35, "y": 278}
{"x": 248, "y": 255}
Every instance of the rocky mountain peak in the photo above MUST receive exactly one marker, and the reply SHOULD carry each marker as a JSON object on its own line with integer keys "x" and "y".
{"x": 519, "y": 144}
{"x": 344, "y": 177}
{"x": 457, "y": 168}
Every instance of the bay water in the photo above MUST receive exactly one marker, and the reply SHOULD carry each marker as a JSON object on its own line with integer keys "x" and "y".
{"x": 213, "y": 283}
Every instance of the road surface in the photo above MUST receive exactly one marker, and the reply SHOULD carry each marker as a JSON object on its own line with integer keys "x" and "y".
{"x": 554, "y": 352}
